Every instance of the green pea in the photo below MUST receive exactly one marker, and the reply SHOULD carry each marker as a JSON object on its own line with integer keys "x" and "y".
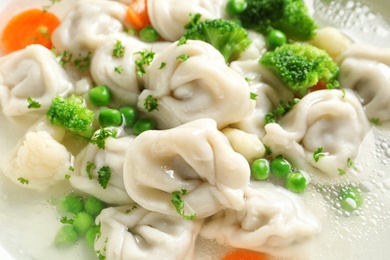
{"x": 143, "y": 125}
{"x": 94, "y": 206}
{"x": 110, "y": 117}
{"x": 296, "y": 182}
{"x": 275, "y": 39}
{"x": 350, "y": 198}
{"x": 280, "y": 167}
{"x": 129, "y": 114}
{"x": 82, "y": 222}
{"x": 148, "y": 34}
{"x": 72, "y": 203}
{"x": 235, "y": 7}
{"x": 91, "y": 235}
{"x": 100, "y": 96}
{"x": 65, "y": 236}
{"x": 260, "y": 169}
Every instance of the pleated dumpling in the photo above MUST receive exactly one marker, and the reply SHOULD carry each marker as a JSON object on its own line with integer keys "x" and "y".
{"x": 87, "y": 25}
{"x": 94, "y": 164}
{"x": 32, "y": 72}
{"x": 194, "y": 83}
{"x": 366, "y": 69}
{"x": 274, "y": 221}
{"x": 169, "y": 17}
{"x": 322, "y": 133}
{"x": 194, "y": 158}
{"x": 39, "y": 160}
{"x": 132, "y": 232}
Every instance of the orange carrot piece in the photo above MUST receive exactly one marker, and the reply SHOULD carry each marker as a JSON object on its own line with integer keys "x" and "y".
{"x": 137, "y": 14}
{"x": 33, "y": 26}
{"x": 244, "y": 255}
{"x": 319, "y": 86}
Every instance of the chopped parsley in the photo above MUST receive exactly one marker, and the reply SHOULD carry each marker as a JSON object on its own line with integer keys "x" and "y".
{"x": 104, "y": 175}
{"x": 150, "y": 103}
{"x": 253, "y": 96}
{"x": 280, "y": 110}
{"x": 145, "y": 60}
{"x": 83, "y": 63}
{"x": 44, "y": 31}
{"x": 318, "y": 154}
{"x": 178, "y": 202}
{"x": 376, "y": 121}
{"x": 90, "y": 166}
{"x": 183, "y": 40}
{"x": 23, "y": 181}
{"x": 351, "y": 164}
{"x": 67, "y": 176}
{"x": 183, "y": 57}
{"x": 65, "y": 220}
{"x": 131, "y": 209}
{"x": 99, "y": 137}
{"x": 341, "y": 172}
{"x": 118, "y": 69}
{"x": 71, "y": 168}
{"x": 32, "y": 103}
{"x": 65, "y": 58}
{"x": 119, "y": 50}
{"x": 163, "y": 64}
{"x": 46, "y": 8}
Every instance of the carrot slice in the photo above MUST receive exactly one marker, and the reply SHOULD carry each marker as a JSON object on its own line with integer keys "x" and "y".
{"x": 137, "y": 14}
{"x": 33, "y": 26}
{"x": 244, "y": 255}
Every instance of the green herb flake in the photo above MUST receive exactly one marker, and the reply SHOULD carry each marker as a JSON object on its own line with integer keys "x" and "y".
{"x": 131, "y": 209}
{"x": 375, "y": 121}
{"x": 182, "y": 40}
{"x": 341, "y": 172}
{"x": 145, "y": 60}
{"x": 67, "y": 176}
{"x": 23, "y": 181}
{"x": 118, "y": 69}
{"x": 65, "y": 58}
{"x": 281, "y": 110}
{"x": 104, "y": 175}
{"x": 178, "y": 202}
{"x": 32, "y": 103}
{"x": 44, "y": 31}
{"x": 151, "y": 103}
{"x": 351, "y": 164}
{"x": 83, "y": 63}
{"x": 253, "y": 96}
{"x": 46, "y": 8}
{"x": 65, "y": 220}
{"x": 99, "y": 137}
{"x": 71, "y": 168}
{"x": 163, "y": 64}
{"x": 318, "y": 154}
{"x": 183, "y": 57}
{"x": 90, "y": 166}
{"x": 119, "y": 50}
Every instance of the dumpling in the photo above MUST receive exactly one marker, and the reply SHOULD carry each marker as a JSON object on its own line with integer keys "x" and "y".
{"x": 87, "y": 25}
{"x": 119, "y": 73}
{"x": 132, "y": 232}
{"x": 198, "y": 87}
{"x": 32, "y": 72}
{"x": 39, "y": 160}
{"x": 269, "y": 90}
{"x": 195, "y": 157}
{"x": 331, "y": 122}
{"x": 91, "y": 159}
{"x": 169, "y": 17}
{"x": 366, "y": 69}
{"x": 273, "y": 221}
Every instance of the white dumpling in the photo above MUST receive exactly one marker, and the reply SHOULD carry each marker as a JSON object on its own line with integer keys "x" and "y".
{"x": 125, "y": 84}
{"x": 112, "y": 156}
{"x": 199, "y": 87}
{"x": 132, "y": 232}
{"x": 195, "y": 157}
{"x": 39, "y": 160}
{"x": 366, "y": 69}
{"x": 273, "y": 221}
{"x": 331, "y": 119}
{"x": 269, "y": 90}
{"x": 87, "y": 25}
{"x": 31, "y": 72}
{"x": 170, "y": 16}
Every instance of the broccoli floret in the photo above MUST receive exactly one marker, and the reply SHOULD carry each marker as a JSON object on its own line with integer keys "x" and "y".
{"x": 226, "y": 36}
{"x": 72, "y": 114}
{"x": 289, "y": 16}
{"x": 301, "y": 66}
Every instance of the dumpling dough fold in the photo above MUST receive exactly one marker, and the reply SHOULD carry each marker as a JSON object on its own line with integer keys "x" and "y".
{"x": 198, "y": 87}
{"x": 195, "y": 157}
{"x": 132, "y": 232}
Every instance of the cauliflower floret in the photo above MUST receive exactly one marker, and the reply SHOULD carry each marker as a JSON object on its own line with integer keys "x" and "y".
{"x": 38, "y": 162}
